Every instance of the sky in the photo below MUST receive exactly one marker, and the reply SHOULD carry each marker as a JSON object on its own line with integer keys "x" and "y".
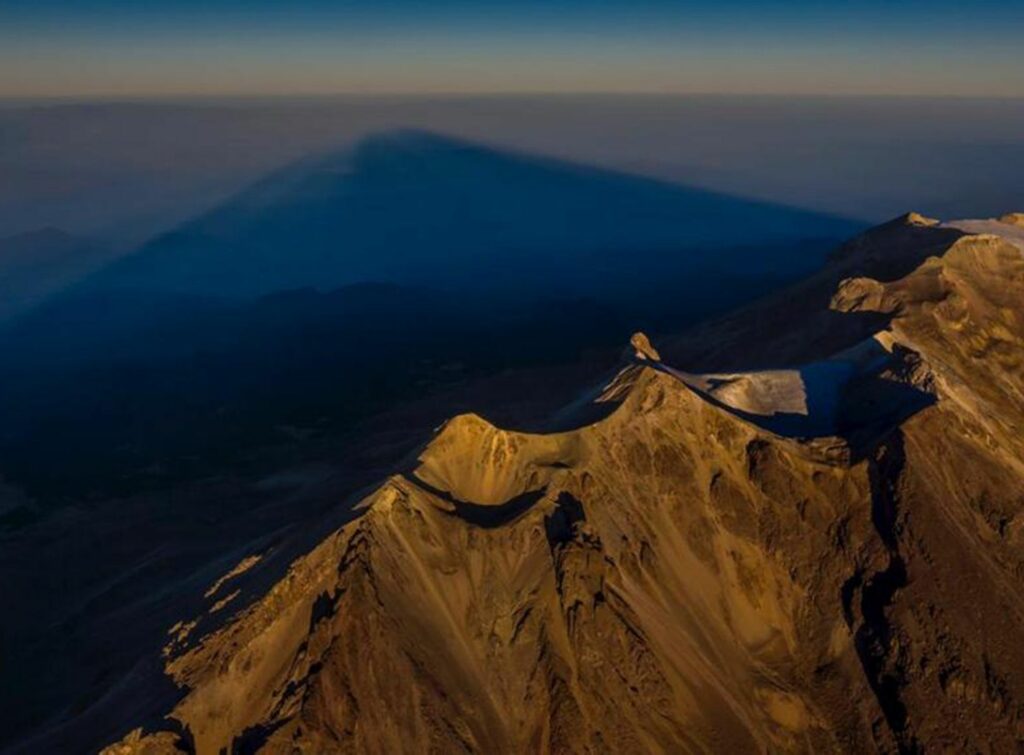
{"x": 88, "y": 48}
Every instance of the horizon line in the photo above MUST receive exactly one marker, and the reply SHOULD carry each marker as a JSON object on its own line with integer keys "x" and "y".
{"x": 467, "y": 94}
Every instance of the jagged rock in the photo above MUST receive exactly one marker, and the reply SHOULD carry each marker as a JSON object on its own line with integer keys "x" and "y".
{"x": 916, "y": 218}
{"x": 642, "y": 348}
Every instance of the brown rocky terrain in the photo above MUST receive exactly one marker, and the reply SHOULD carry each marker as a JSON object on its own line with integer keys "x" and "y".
{"x": 799, "y": 528}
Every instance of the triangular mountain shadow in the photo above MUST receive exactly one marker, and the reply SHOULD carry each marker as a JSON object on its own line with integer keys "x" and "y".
{"x": 410, "y": 207}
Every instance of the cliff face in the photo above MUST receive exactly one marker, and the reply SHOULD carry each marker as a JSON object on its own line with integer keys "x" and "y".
{"x": 823, "y": 554}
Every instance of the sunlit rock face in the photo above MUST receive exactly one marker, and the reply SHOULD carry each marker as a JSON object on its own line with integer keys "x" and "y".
{"x": 799, "y": 528}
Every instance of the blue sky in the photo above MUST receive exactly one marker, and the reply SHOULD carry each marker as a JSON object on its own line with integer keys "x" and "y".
{"x": 115, "y": 47}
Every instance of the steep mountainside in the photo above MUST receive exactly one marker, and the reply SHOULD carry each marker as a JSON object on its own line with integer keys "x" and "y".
{"x": 798, "y": 529}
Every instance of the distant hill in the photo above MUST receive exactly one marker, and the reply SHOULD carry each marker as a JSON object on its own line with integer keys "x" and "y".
{"x": 101, "y": 389}
{"x": 39, "y": 263}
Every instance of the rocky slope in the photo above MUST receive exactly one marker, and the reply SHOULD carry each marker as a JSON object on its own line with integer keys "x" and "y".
{"x": 800, "y": 528}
